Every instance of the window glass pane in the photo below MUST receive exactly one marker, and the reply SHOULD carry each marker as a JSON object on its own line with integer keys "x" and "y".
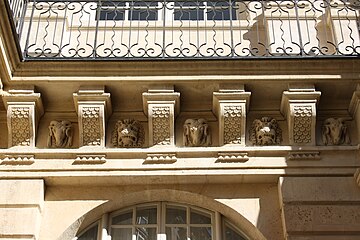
{"x": 90, "y": 234}
{"x": 199, "y": 217}
{"x": 112, "y": 11}
{"x": 231, "y": 234}
{"x": 125, "y": 218}
{"x": 200, "y": 233}
{"x": 121, "y": 234}
{"x": 175, "y": 215}
{"x": 176, "y": 233}
{"x": 144, "y": 11}
{"x": 221, "y": 11}
{"x": 145, "y": 233}
{"x": 146, "y": 216}
{"x": 189, "y": 11}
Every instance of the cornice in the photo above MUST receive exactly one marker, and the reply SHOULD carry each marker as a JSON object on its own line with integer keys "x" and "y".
{"x": 343, "y": 68}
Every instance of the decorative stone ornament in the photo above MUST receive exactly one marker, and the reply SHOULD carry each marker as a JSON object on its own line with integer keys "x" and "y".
{"x": 60, "y": 134}
{"x": 299, "y": 107}
{"x": 334, "y": 132}
{"x": 93, "y": 107}
{"x": 265, "y": 131}
{"x": 161, "y": 104}
{"x": 196, "y": 133}
{"x": 128, "y": 133}
{"x": 230, "y": 105}
{"x": 24, "y": 109}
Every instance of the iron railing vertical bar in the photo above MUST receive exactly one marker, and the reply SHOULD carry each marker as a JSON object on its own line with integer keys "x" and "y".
{"x": 299, "y": 28}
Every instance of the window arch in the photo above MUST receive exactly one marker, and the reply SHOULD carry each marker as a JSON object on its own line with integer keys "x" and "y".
{"x": 162, "y": 221}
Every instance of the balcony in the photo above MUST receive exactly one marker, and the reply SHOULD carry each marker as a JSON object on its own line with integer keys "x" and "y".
{"x": 128, "y": 30}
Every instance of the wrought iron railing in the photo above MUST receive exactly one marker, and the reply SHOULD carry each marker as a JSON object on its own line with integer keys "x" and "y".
{"x": 119, "y": 29}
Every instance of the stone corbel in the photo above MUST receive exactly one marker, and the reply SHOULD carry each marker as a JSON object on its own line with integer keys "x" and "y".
{"x": 93, "y": 107}
{"x": 354, "y": 108}
{"x": 230, "y": 107}
{"x": 298, "y": 105}
{"x": 24, "y": 109}
{"x": 161, "y": 105}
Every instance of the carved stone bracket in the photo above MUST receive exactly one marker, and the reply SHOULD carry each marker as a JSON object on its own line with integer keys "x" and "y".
{"x": 17, "y": 159}
{"x": 230, "y": 107}
{"x": 161, "y": 106}
{"x": 354, "y": 108}
{"x": 160, "y": 158}
{"x": 89, "y": 159}
{"x": 303, "y": 155}
{"x": 357, "y": 176}
{"x": 24, "y": 109}
{"x": 93, "y": 108}
{"x": 299, "y": 107}
{"x": 232, "y": 157}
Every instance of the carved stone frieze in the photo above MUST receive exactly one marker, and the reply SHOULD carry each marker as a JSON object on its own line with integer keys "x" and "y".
{"x": 196, "y": 133}
{"x": 302, "y": 123}
{"x": 128, "y": 133}
{"x": 60, "y": 134}
{"x": 303, "y": 155}
{"x": 161, "y": 125}
{"x": 21, "y": 125}
{"x": 334, "y": 132}
{"x": 265, "y": 131}
{"x": 16, "y": 159}
{"x": 232, "y": 157}
{"x": 357, "y": 176}
{"x": 160, "y": 158}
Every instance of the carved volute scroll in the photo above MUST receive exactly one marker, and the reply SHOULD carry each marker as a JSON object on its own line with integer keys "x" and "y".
{"x": 196, "y": 133}
{"x": 128, "y": 133}
{"x": 60, "y": 134}
{"x": 265, "y": 131}
{"x": 334, "y": 132}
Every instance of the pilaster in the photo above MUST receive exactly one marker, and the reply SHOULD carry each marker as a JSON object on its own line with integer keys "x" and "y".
{"x": 93, "y": 107}
{"x": 24, "y": 109}
{"x": 161, "y": 105}
{"x": 230, "y": 107}
{"x": 298, "y": 105}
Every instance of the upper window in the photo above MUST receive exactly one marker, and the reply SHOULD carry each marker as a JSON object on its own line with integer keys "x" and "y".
{"x": 163, "y": 221}
{"x": 178, "y": 10}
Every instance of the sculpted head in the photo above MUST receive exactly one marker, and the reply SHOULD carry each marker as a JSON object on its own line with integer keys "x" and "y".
{"x": 196, "y": 133}
{"x": 60, "y": 134}
{"x": 265, "y": 131}
{"x": 128, "y": 133}
{"x": 334, "y": 132}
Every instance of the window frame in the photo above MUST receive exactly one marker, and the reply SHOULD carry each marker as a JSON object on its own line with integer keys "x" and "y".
{"x": 217, "y": 223}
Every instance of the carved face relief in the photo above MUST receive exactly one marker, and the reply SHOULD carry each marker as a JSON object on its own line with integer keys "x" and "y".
{"x": 265, "y": 132}
{"x": 128, "y": 133}
{"x": 196, "y": 133}
{"x": 334, "y": 132}
{"x": 60, "y": 134}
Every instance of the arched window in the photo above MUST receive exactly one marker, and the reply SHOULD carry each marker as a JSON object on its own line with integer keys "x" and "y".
{"x": 162, "y": 221}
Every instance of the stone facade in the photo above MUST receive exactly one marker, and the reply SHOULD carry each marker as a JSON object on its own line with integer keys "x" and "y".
{"x": 268, "y": 146}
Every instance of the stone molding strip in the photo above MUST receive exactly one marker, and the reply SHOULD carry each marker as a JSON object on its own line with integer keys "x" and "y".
{"x": 303, "y": 155}
{"x": 160, "y": 158}
{"x": 232, "y": 157}
{"x": 18, "y": 159}
{"x": 89, "y": 159}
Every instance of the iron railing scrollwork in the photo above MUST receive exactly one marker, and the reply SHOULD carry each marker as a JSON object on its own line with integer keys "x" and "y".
{"x": 164, "y": 29}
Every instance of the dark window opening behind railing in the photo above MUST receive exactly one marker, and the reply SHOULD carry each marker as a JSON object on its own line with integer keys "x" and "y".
{"x": 186, "y": 29}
